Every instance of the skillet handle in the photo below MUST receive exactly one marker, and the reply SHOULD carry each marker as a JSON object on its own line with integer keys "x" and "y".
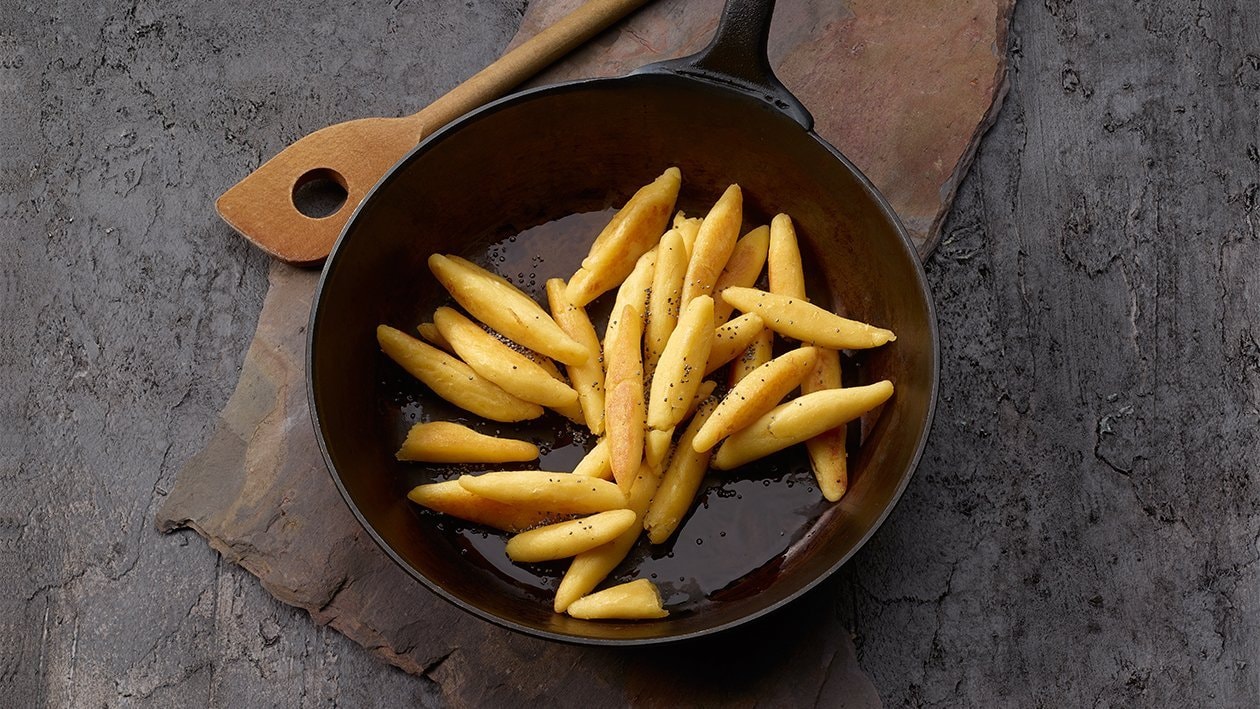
{"x": 737, "y": 58}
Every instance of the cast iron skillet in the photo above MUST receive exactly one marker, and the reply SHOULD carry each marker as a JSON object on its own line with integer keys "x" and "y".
{"x": 763, "y": 535}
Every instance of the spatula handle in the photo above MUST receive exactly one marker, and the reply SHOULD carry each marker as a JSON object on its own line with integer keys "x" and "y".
{"x": 531, "y": 57}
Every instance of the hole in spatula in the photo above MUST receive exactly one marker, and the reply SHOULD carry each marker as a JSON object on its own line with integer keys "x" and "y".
{"x": 319, "y": 193}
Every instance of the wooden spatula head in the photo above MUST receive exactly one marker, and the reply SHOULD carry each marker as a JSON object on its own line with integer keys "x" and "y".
{"x": 354, "y": 154}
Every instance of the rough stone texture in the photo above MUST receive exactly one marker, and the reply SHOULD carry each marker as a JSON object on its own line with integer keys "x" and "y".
{"x": 132, "y": 308}
{"x": 1083, "y": 531}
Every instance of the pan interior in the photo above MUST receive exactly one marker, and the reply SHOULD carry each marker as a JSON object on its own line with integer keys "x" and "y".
{"x": 522, "y": 187}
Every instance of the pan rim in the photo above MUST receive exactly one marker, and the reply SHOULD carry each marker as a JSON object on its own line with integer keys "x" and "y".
{"x": 903, "y": 242}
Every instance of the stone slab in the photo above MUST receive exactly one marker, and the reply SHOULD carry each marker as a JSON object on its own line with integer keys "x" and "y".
{"x": 261, "y": 496}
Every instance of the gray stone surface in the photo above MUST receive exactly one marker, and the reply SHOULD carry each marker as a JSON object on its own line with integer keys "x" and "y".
{"x": 133, "y": 307}
{"x": 1083, "y": 530}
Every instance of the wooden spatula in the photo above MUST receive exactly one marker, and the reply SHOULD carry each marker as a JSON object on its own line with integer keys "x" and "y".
{"x": 355, "y": 154}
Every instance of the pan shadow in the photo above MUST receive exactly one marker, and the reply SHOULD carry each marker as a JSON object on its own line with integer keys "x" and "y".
{"x": 804, "y": 640}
